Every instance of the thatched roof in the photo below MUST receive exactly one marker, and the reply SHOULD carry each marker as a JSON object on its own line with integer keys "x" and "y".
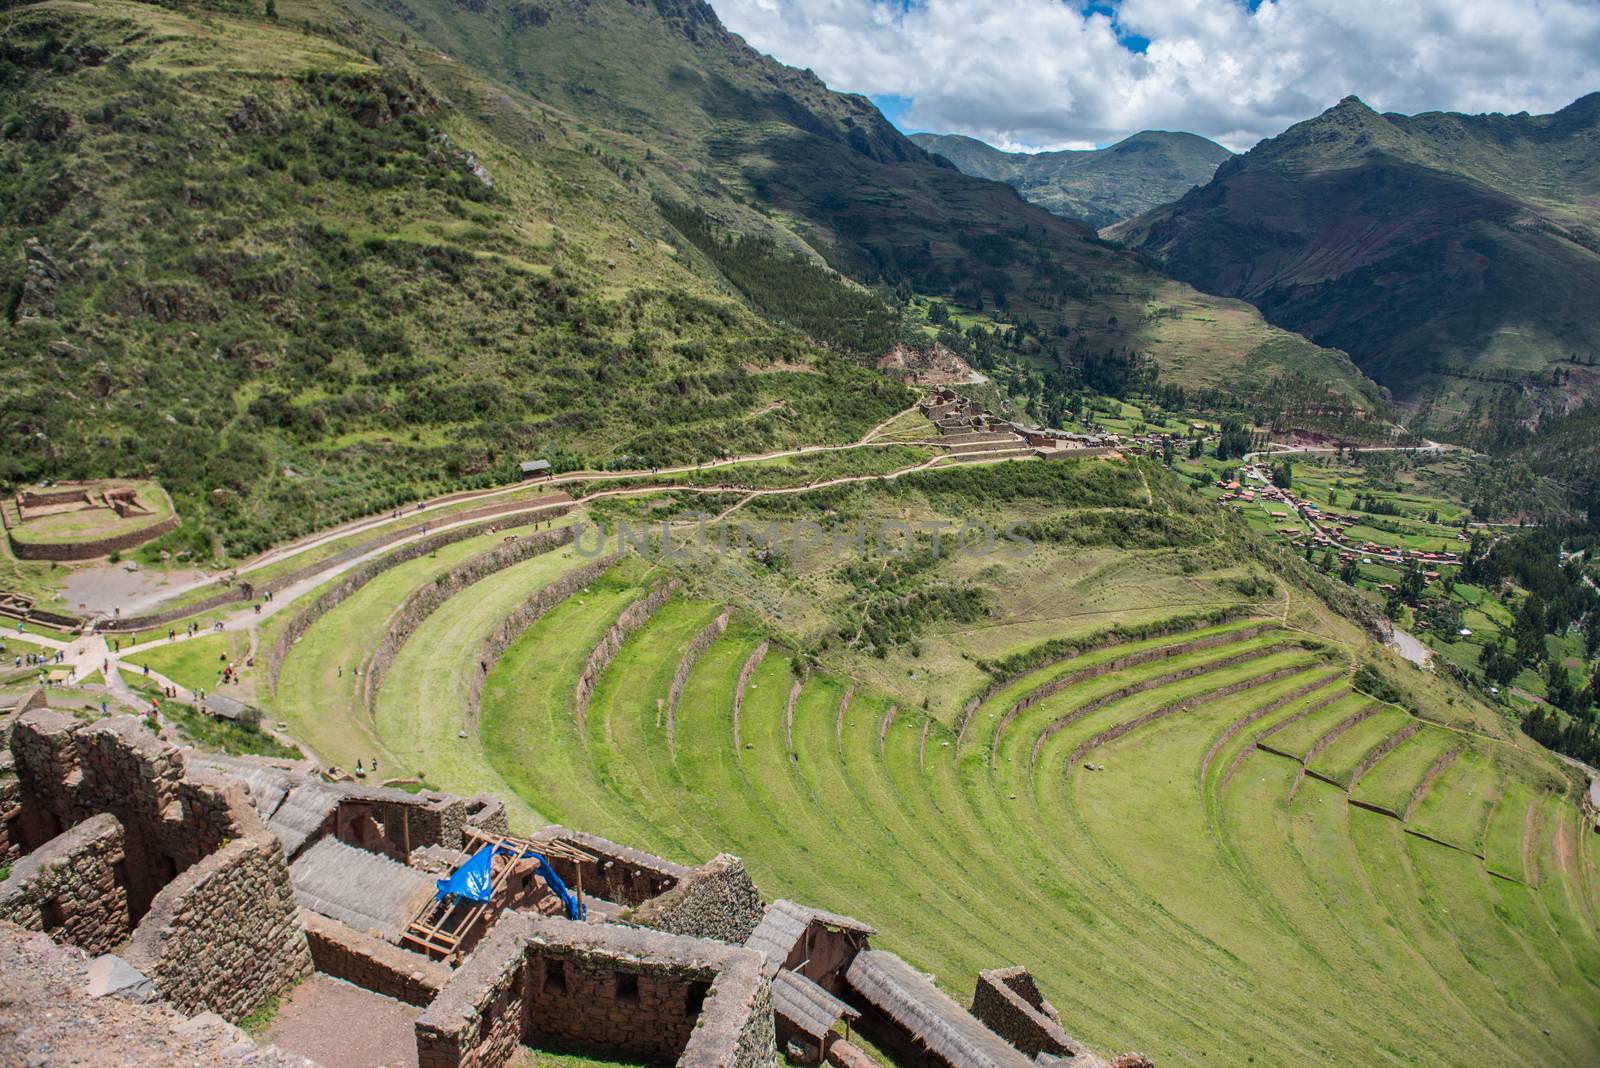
{"x": 294, "y": 807}
{"x": 806, "y": 1005}
{"x": 928, "y": 1014}
{"x": 784, "y": 924}
{"x": 361, "y": 889}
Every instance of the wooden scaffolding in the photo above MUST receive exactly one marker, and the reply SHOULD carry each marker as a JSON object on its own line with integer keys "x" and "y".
{"x": 444, "y": 925}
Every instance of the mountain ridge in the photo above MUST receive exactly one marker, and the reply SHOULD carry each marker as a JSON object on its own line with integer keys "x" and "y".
{"x": 1447, "y": 253}
{"x": 1100, "y": 186}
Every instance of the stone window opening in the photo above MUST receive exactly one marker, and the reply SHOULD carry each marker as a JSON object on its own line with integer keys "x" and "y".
{"x": 695, "y": 999}
{"x": 628, "y": 988}
{"x": 555, "y": 976}
{"x": 50, "y": 918}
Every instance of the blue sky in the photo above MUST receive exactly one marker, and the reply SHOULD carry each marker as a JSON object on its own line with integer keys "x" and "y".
{"x": 1034, "y": 74}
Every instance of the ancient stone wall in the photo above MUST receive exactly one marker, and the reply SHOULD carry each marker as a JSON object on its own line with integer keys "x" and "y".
{"x": 72, "y": 888}
{"x": 488, "y": 814}
{"x": 372, "y": 963}
{"x": 614, "y": 991}
{"x": 632, "y": 618}
{"x": 422, "y": 603}
{"x": 70, "y": 771}
{"x": 89, "y": 550}
{"x": 205, "y": 881}
{"x": 224, "y": 935}
{"x": 527, "y": 613}
{"x": 393, "y": 823}
{"x": 477, "y": 1021}
{"x": 618, "y": 873}
{"x": 717, "y": 900}
{"x": 1009, "y": 1003}
{"x": 680, "y": 678}
{"x": 525, "y": 512}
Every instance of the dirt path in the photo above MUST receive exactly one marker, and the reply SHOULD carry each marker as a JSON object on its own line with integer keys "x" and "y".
{"x": 332, "y": 1022}
{"x": 291, "y": 549}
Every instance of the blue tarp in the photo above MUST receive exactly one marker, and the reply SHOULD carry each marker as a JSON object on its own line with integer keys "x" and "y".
{"x": 473, "y": 880}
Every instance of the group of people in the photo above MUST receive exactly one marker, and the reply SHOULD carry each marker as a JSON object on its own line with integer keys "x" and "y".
{"x": 36, "y": 659}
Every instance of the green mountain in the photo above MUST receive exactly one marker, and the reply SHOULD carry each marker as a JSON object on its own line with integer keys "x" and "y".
{"x": 312, "y": 265}
{"x": 1100, "y": 186}
{"x": 1456, "y": 257}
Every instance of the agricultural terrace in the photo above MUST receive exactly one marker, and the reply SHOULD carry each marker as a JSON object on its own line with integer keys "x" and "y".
{"x": 1166, "y": 808}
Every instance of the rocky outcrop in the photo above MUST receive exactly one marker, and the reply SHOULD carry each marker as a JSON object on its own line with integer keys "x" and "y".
{"x": 41, "y": 280}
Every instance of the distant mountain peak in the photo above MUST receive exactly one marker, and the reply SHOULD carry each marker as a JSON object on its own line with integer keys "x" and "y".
{"x": 1098, "y": 185}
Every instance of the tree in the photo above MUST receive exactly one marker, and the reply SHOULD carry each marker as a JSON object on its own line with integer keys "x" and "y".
{"x": 1168, "y": 452}
{"x": 1412, "y": 584}
{"x": 1283, "y": 474}
{"x": 1195, "y": 447}
{"x": 272, "y": 9}
{"x": 1234, "y": 441}
{"x": 1528, "y": 631}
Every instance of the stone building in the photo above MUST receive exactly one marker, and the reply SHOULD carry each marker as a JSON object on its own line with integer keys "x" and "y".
{"x": 122, "y": 847}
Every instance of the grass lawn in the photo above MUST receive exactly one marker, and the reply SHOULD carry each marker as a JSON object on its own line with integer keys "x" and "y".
{"x": 193, "y": 663}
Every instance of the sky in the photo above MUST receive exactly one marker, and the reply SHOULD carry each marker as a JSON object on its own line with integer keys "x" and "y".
{"x": 1047, "y": 74}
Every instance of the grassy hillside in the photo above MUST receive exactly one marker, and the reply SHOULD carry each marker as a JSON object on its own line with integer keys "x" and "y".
{"x": 691, "y": 113}
{"x": 1453, "y": 256}
{"x": 301, "y": 281}
{"x": 1100, "y": 186}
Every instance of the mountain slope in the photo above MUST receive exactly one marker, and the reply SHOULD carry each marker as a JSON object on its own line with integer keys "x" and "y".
{"x": 1100, "y": 186}
{"x": 769, "y": 151}
{"x": 292, "y": 275}
{"x": 1453, "y": 256}
{"x": 316, "y": 266}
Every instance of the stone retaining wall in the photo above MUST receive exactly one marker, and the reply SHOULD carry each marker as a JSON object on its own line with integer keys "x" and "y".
{"x": 1058, "y": 725}
{"x": 691, "y": 656}
{"x": 753, "y": 661}
{"x": 717, "y": 900}
{"x": 422, "y": 603}
{"x": 1121, "y": 663}
{"x": 89, "y": 550}
{"x": 372, "y": 963}
{"x": 510, "y": 629}
{"x": 224, "y": 935}
{"x": 72, "y": 888}
{"x": 245, "y": 590}
{"x": 1112, "y": 733}
{"x": 632, "y": 618}
{"x": 1107, "y": 639}
{"x": 359, "y": 577}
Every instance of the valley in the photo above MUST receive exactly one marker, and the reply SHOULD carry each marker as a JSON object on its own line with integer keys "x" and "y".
{"x": 516, "y": 508}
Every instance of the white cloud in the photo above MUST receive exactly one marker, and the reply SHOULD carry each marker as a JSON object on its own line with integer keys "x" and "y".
{"x": 1042, "y": 73}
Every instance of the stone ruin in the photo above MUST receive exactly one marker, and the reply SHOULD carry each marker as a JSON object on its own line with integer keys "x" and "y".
{"x": 205, "y": 886}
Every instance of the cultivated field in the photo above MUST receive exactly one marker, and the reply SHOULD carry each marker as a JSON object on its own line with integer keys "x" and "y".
{"x": 1204, "y": 841}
